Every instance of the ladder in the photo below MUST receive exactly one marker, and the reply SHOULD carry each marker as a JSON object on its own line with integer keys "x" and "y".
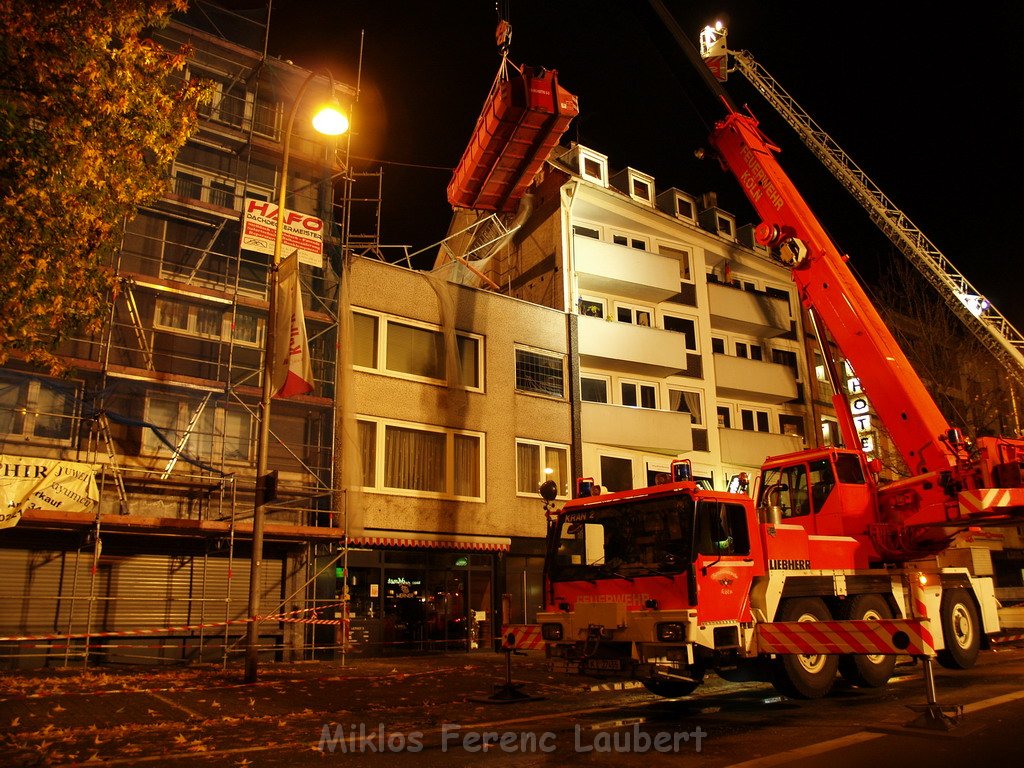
{"x": 183, "y": 441}
{"x": 989, "y": 325}
{"x": 103, "y": 425}
{"x": 136, "y": 318}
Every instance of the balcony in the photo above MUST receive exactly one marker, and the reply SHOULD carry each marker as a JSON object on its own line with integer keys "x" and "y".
{"x": 746, "y": 448}
{"x": 629, "y": 348}
{"x": 642, "y": 429}
{"x": 748, "y": 312}
{"x": 754, "y": 380}
{"x": 623, "y": 271}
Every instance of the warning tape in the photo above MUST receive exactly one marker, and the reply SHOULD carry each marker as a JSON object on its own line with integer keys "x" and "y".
{"x": 891, "y": 636}
{"x": 523, "y": 637}
{"x": 289, "y": 617}
{"x": 1007, "y": 638}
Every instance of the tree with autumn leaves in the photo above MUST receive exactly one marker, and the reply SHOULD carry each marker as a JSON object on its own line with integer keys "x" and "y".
{"x": 93, "y": 112}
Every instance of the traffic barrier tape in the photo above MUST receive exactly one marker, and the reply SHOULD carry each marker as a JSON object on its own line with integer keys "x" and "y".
{"x": 289, "y": 617}
{"x": 890, "y": 636}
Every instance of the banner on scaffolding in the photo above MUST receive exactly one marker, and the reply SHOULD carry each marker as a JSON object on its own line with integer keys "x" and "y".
{"x": 48, "y": 485}
{"x": 301, "y": 232}
{"x": 291, "y": 372}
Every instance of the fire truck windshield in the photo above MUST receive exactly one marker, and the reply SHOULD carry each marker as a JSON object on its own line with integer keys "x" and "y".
{"x": 623, "y": 540}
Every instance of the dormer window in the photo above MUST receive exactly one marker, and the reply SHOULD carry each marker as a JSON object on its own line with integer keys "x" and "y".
{"x": 678, "y": 204}
{"x": 591, "y": 165}
{"x": 639, "y": 186}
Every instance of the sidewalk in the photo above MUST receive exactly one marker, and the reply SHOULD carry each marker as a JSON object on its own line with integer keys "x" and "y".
{"x": 64, "y": 716}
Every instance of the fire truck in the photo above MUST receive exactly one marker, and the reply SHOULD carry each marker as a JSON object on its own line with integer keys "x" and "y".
{"x": 826, "y": 571}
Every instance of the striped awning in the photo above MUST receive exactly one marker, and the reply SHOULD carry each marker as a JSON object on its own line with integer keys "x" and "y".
{"x": 434, "y": 541}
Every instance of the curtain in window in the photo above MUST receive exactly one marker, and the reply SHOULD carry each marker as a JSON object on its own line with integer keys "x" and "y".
{"x": 527, "y": 467}
{"x": 557, "y": 460}
{"x": 414, "y": 460}
{"x": 368, "y": 453}
{"x": 416, "y": 351}
{"x": 467, "y": 466}
{"x": 12, "y": 413}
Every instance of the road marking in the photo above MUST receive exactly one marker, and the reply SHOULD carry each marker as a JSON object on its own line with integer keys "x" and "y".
{"x": 809, "y": 751}
{"x": 171, "y": 703}
{"x": 995, "y": 701}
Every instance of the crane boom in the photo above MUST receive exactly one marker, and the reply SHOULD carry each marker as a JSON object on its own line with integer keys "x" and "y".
{"x": 988, "y": 324}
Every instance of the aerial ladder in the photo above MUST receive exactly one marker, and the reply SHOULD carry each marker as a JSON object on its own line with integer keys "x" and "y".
{"x": 981, "y": 317}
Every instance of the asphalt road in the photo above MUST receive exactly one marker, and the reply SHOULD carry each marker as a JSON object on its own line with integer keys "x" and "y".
{"x": 441, "y": 711}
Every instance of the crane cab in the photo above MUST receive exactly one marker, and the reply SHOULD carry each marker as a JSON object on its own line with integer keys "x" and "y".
{"x": 829, "y": 492}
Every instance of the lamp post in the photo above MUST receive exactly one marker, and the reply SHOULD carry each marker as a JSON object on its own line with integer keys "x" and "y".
{"x": 329, "y": 121}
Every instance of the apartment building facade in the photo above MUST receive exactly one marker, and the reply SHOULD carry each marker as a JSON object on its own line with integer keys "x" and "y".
{"x": 689, "y": 338}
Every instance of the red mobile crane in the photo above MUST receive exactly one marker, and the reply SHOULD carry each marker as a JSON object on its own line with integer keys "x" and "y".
{"x": 829, "y": 570}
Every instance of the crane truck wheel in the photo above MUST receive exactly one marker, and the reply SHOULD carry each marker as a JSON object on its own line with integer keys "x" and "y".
{"x": 863, "y": 670}
{"x": 670, "y": 689}
{"x": 961, "y": 630}
{"x": 808, "y": 676}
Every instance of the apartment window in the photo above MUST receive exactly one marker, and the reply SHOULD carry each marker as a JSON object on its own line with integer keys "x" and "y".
{"x": 172, "y": 417}
{"x": 749, "y": 350}
{"x": 249, "y": 329}
{"x": 187, "y": 318}
{"x": 685, "y": 401}
{"x": 754, "y": 420}
{"x": 830, "y": 432}
{"x": 38, "y": 409}
{"x": 593, "y": 307}
{"x": 684, "y": 207}
{"x": 584, "y": 231}
{"x": 222, "y": 194}
{"x": 227, "y": 104}
{"x": 188, "y": 185}
{"x": 717, "y": 345}
{"x": 540, "y": 373}
{"x": 630, "y": 241}
{"x": 237, "y": 435}
{"x": 421, "y": 460}
{"x": 724, "y": 417}
{"x": 638, "y": 394}
{"x": 641, "y": 187}
{"x": 791, "y": 425}
{"x": 685, "y": 326}
{"x": 399, "y": 348}
{"x": 593, "y": 389}
{"x": 593, "y": 166}
{"x": 725, "y": 226}
{"x": 538, "y": 462}
{"x": 780, "y": 293}
{"x": 786, "y": 357}
{"x": 616, "y": 473}
{"x": 626, "y": 313}
{"x": 266, "y": 116}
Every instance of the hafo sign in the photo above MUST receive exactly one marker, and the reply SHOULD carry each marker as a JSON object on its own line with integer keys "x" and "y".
{"x": 302, "y": 232}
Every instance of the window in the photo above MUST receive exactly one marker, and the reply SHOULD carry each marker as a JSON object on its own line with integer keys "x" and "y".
{"x": 593, "y": 166}
{"x": 594, "y": 390}
{"x": 639, "y": 395}
{"x": 421, "y": 460}
{"x": 686, "y": 402}
{"x": 721, "y": 529}
{"x": 188, "y": 185}
{"x": 193, "y": 319}
{"x": 685, "y": 326}
{"x": 749, "y": 350}
{"x": 830, "y": 432}
{"x": 222, "y": 193}
{"x": 249, "y": 329}
{"x": 791, "y": 425}
{"x": 725, "y": 226}
{"x": 401, "y": 348}
{"x": 216, "y": 432}
{"x": 538, "y": 462}
{"x": 718, "y": 345}
{"x": 787, "y": 358}
{"x": 641, "y": 316}
{"x": 540, "y": 373}
{"x": 38, "y": 409}
{"x": 616, "y": 473}
{"x": 631, "y": 241}
{"x": 585, "y": 231}
{"x": 592, "y": 307}
{"x": 724, "y": 417}
{"x": 754, "y": 420}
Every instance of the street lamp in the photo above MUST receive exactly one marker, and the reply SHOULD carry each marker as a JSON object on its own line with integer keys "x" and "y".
{"x": 330, "y": 121}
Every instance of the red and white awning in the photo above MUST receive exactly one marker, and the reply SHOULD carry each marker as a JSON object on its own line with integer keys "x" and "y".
{"x": 435, "y": 541}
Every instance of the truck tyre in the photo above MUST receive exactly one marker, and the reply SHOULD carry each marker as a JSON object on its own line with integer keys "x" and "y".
{"x": 809, "y": 676}
{"x": 863, "y": 670}
{"x": 961, "y": 630}
{"x": 670, "y": 689}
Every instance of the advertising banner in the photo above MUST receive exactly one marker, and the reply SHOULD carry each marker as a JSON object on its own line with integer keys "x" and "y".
{"x": 44, "y": 484}
{"x": 302, "y": 232}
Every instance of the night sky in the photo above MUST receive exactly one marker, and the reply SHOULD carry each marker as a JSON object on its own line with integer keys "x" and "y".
{"x": 925, "y": 99}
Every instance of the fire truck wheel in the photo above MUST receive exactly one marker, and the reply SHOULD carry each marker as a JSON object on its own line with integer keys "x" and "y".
{"x": 863, "y": 670}
{"x": 670, "y": 689}
{"x": 961, "y": 629}
{"x": 808, "y": 676}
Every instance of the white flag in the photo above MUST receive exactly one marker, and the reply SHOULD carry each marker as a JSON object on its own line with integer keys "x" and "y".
{"x": 291, "y": 369}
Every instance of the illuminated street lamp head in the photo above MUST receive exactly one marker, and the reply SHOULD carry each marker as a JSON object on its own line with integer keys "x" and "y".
{"x": 330, "y": 120}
